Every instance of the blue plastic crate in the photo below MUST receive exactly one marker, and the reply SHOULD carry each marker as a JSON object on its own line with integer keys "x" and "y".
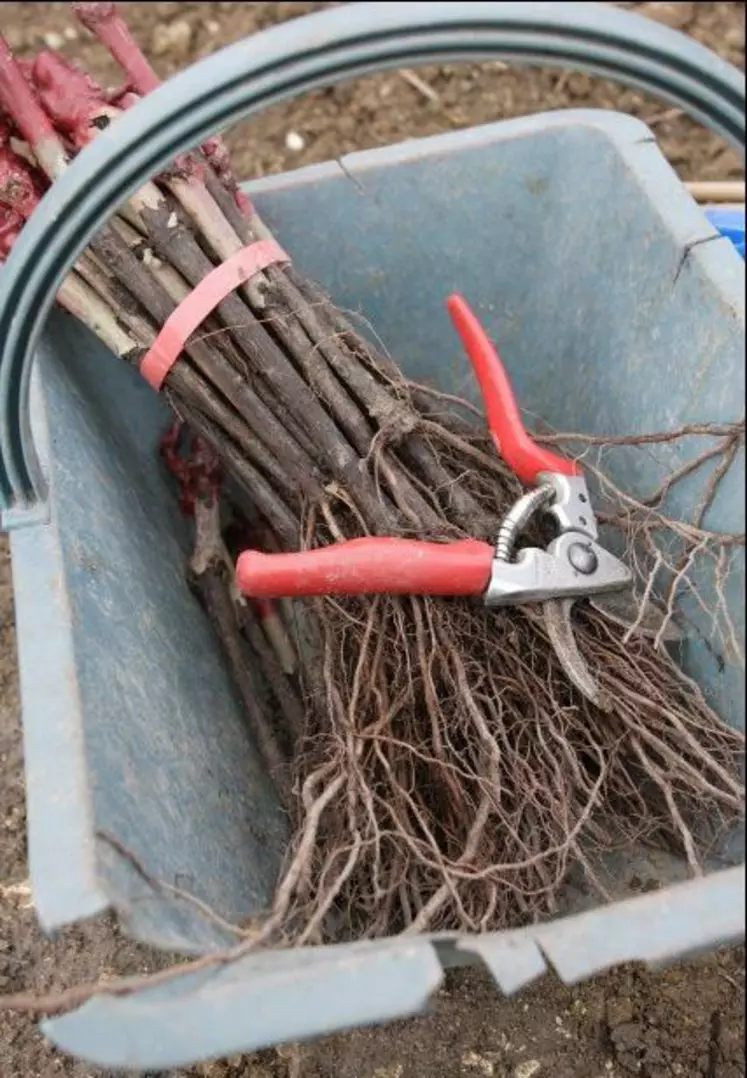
{"x": 586, "y": 259}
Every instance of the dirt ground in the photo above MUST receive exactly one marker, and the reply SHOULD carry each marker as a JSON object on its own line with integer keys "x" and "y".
{"x": 687, "y": 1021}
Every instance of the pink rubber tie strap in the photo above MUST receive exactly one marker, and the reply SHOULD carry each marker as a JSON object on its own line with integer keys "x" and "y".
{"x": 202, "y": 301}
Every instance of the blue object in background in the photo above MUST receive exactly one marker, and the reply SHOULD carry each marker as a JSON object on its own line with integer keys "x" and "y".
{"x": 730, "y": 223}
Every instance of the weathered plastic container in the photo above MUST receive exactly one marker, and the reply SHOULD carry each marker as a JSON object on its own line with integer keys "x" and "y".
{"x": 618, "y": 308}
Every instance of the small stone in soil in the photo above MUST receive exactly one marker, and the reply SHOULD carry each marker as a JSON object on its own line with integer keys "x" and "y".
{"x": 294, "y": 142}
{"x": 528, "y": 1068}
{"x": 619, "y": 1011}
{"x": 473, "y": 1061}
{"x": 173, "y": 38}
{"x": 53, "y": 40}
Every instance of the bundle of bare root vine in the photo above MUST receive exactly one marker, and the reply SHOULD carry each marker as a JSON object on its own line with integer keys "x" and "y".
{"x": 440, "y": 770}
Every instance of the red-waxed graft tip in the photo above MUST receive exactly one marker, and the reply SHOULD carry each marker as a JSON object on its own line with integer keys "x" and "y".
{"x": 116, "y": 95}
{"x": 19, "y": 102}
{"x": 68, "y": 95}
{"x": 107, "y": 107}
{"x": 111, "y": 30}
{"x": 108, "y": 26}
{"x": 125, "y": 99}
{"x": 177, "y": 465}
{"x": 20, "y": 187}
{"x": 207, "y": 471}
{"x": 93, "y": 15}
{"x": 217, "y": 154}
{"x": 93, "y": 108}
{"x": 11, "y": 224}
{"x": 198, "y": 474}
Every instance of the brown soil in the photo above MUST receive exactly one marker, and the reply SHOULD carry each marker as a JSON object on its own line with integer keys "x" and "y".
{"x": 687, "y": 1021}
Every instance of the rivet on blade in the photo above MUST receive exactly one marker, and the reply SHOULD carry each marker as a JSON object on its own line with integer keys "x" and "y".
{"x": 582, "y": 558}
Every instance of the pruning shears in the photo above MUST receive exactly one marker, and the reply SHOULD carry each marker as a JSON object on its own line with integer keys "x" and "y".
{"x": 573, "y": 566}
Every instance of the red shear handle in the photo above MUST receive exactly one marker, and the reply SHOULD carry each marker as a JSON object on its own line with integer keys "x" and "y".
{"x": 370, "y": 566}
{"x": 527, "y": 459}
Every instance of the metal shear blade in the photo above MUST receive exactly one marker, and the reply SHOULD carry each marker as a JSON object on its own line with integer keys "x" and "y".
{"x": 560, "y": 630}
{"x": 649, "y": 621}
{"x": 574, "y": 565}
